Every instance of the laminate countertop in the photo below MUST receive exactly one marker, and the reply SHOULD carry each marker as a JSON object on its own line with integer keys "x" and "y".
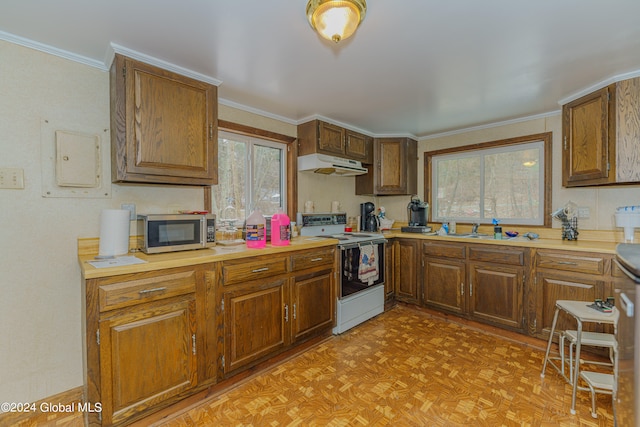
{"x": 607, "y": 247}
{"x": 88, "y": 248}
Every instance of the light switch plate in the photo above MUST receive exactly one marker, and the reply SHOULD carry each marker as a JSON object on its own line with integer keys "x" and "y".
{"x": 12, "y": 178}
{"x": 131, "y": 207}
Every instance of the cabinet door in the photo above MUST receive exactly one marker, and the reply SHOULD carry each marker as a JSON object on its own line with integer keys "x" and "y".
{"x": 391, "y": 163}
{"x": 443, "y": 286}
{"x": 586, "y": 133}
{"x": 254, "y": 323}
{"x": 496, "y": 294}
{"x": 358, "y": 147}
{"x": 407, "y": 268}
{"x": 552, "y": 286}
{"x": 389, "y": 270}
{"x": 164, "y": 126}
{"x": 312, "y": 305}
{"x": 330, "y": 139}
{"x": 159, "y": 335}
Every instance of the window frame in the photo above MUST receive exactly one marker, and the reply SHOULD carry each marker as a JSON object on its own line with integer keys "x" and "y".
{"x": 291, "y": 184}
{"x": 546, "y": 139}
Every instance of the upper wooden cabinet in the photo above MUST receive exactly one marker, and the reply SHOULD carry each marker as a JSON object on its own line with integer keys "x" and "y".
{"x": 599, "y": 136}
{"x": 320, "y": 137}
{"x": 394, "y": 170}
{"x": 163, "y": 126}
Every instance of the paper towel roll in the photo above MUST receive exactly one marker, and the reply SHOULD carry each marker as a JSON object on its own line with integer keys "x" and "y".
{"x": 114, "y": 232}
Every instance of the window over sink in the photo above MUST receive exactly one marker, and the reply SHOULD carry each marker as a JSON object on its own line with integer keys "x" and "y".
{"x": 508, "y": 179}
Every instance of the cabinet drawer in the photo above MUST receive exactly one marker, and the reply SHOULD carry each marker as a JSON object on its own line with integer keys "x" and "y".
{"x": 512, "y": 256}
{"x": 446, "y": 250}
{"x": 305, "y": 260}
{"x": 144, "y": 289}
{"x": 239, "y": 271}
{"x": 588, "y": 263}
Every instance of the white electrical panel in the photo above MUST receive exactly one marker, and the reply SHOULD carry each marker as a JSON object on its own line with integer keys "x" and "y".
{"x": 77, "y": 159}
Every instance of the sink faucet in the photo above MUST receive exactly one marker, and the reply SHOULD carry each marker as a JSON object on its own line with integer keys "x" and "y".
{"x": 474, "y": 229}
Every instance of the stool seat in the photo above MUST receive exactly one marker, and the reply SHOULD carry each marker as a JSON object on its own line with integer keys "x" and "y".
{"x": 594, "y": 339}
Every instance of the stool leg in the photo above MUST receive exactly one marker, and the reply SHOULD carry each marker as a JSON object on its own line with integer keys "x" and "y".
{"x": 576, "y": 370}
{"x": 553, "y": 328}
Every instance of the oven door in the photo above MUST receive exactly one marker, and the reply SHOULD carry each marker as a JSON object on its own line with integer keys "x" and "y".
{"x": 627, "y": 398}
{"x": 362, "y": 266}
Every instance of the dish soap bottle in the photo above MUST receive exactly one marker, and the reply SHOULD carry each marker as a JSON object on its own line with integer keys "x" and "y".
{"x": 256, "y": 230}
{"x": 280, "y": 229}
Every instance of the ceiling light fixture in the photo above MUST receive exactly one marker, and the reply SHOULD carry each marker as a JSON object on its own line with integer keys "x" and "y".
{"x": 336, "y": 20}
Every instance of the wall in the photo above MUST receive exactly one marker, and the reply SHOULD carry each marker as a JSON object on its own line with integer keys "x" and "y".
{"x": 40, "y": 306}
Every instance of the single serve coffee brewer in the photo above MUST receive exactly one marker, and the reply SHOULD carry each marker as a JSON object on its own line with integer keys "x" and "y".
{"x": 417, "y": 212}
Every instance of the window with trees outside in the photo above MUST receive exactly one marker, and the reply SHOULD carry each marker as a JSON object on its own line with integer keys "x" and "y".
{"x": 251, "y": 174}
{"x": 509, "y": 180}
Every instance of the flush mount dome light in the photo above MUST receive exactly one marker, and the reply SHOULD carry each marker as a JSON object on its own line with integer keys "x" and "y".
{"x": 336, "y": 20}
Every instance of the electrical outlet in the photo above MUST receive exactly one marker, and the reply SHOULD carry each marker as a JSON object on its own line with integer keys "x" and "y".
{"x": 583, "y": 212}
{"x": 12, "y": 178}
{"x": 131, "y": 207}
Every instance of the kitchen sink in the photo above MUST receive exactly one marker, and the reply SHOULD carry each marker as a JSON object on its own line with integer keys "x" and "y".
{"x": 471, "y": 235}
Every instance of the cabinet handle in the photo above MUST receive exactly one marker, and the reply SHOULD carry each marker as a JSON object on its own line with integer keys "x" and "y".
{"x": 567, "y": 263}
{"x": 148, "y": 291}
{"x": 286, "y": 312}
{"x": 294, "y": 311}
{"x": 461, "y": 288}
{"x": 316, "y": 259}
{"x": 260, "y": 270}
{"x": 565, "y": 142}
{"x": 193, "y": 343}
{"x": 470, "y": 288}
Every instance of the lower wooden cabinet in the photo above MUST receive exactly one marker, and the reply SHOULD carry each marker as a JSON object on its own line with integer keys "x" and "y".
{"x": 265, "y": 316}
{"x": 444, "y": 284}
{"x": 481, "y": 282}
{"x": 158, "y": 336}
{"x": 150, "y": 340}
{"x": 566, "y": 275}
{"x": 254, "y": 322}
{"x": 407, "y": 270}
{"x": 312, "y": 305}
{"x": 496, "y": 294}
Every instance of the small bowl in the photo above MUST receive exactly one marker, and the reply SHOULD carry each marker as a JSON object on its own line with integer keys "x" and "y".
{"x": 511, "y": 233}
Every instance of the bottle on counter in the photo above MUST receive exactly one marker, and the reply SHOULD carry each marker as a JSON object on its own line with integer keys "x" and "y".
{"x": 256, "y": 230}
{"x": 280, "y": 229}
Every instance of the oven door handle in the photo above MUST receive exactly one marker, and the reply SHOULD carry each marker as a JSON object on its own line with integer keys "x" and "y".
{"x": 360, "y": 244}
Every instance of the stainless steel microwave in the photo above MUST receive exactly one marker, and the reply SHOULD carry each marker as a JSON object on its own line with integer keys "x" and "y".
{"x": 159, "y": 233}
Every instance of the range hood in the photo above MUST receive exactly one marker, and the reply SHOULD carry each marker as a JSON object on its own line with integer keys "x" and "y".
{"x": 330, "y": 165}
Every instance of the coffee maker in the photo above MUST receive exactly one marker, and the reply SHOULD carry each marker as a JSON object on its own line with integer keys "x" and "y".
{"x": 417, "y": 216}
{"x": 368, "y": 219}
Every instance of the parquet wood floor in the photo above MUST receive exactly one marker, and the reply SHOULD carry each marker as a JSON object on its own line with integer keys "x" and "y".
{"x": 405, "y": 367}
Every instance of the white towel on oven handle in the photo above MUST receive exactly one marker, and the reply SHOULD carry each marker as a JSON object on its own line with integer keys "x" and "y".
{"x": 368, "y": 267}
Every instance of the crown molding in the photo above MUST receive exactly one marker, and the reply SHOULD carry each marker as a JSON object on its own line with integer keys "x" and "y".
{"x": 598, "y": 86}
{"x": 52, "y": 50}
{"x": 257, "y": 111}
{"x": 491, "y": 125}
{"x": 121, "y": 50}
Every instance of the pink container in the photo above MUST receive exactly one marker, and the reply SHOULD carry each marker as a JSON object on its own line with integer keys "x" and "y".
{"x": 280, "y": 229}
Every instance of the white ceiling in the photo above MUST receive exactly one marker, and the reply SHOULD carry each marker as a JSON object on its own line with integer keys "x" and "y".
{"x": 414, "y": 67}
